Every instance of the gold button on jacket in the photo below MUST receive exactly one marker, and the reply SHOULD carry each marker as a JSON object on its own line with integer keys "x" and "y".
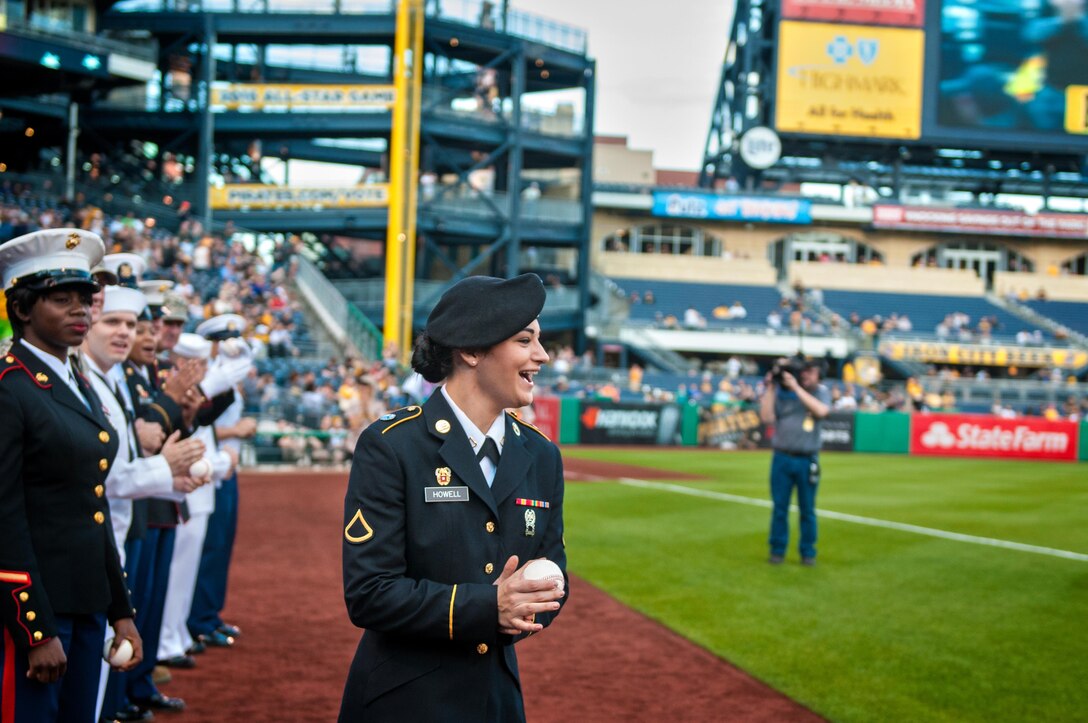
{"x": 481, "y": 648}
{"x": 99, "y": 517}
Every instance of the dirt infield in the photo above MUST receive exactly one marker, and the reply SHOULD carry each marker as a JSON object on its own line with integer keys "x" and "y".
{"x": 600, "y": 662}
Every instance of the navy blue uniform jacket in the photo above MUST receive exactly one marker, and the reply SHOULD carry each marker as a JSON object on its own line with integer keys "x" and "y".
{"x": 57, "y": 554}
{"x": 418, "y": 575}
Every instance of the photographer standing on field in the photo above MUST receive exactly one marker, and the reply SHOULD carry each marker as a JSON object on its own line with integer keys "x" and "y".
{"x": 795, "y": 403}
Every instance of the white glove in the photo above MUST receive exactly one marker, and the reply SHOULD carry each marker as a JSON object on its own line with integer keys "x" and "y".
{"x": 223, "y": 374}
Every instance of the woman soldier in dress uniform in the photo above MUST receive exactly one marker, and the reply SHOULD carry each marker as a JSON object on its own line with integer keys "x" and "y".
{"x": 60, "y": 575}
{"x": 445, "y": 505}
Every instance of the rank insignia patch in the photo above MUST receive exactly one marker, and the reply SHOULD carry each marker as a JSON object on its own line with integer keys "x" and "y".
{"x": 358, "y": 530}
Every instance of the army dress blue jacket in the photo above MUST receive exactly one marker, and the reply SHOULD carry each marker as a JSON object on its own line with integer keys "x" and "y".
{"x": 425, "y": 538}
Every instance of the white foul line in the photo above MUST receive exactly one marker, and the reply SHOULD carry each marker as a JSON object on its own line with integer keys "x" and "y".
{"x": 755, "y": 502}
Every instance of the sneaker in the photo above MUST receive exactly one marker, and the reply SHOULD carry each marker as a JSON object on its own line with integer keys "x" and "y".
{"x": 808, "y": 561}
{"x": 776, "y": 559}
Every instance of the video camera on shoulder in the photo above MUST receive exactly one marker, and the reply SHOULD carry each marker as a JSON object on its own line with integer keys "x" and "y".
{"x": 794, "y": 365}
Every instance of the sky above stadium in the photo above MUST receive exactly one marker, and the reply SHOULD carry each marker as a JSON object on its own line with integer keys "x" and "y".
{"x": 658, "y": 65}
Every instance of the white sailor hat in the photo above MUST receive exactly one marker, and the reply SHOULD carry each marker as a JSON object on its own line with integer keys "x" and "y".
{"x": 223, "y": 326}
{"x": 122, "y": 298}
{"x": 51, "y": 257}
{"x": 154, "y": 289}
{"x": 193, "y": 346}
{"x": 128, "y": 268}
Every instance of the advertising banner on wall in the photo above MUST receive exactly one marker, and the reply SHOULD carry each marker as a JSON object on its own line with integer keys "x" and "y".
{"x": 732, "y": 429}
{"x": 837, "y": 432}
{"x": 611, "y": 423}
{"x": 546, "y": 416}
{"x": 240, "y": 196}
{"x": 742, "y": 429}
{"x": 712, "y": 207}
{"x": 963, "y": 435}
{"x": 862, "y": 12}
{"x": 981, "y": 221}
{"x": 935, "y": 352}
{"x": 236, "y": 96}
{"x": 849, "y": 80}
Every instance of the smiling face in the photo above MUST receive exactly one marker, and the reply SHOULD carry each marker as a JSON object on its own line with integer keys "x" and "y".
{"x": 143, "y": 350}
{"x": 58, "y": 320}
{"x": 111, "y": 338}
{"x": 505, "y": 372}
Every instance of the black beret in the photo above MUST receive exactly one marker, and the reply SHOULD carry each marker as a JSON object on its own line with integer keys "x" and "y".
{"x": 480, "y": 311}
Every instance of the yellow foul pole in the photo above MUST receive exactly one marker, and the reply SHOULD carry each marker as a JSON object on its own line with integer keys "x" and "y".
{"x": 400, "y": 243}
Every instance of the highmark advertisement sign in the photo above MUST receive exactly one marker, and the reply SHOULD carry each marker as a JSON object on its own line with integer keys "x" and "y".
{"x": 849, "y": 80}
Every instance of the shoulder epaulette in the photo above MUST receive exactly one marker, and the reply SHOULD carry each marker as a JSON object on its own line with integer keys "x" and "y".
{"x": 399, "y": 416}
{"x": 523, "y": 423}
{"x": 10, "y": 362}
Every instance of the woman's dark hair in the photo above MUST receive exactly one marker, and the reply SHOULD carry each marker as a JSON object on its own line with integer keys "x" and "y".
{"x": 434, "y": 361}
{"x": 431, "y": 359}
{"x": 20, "y": 300}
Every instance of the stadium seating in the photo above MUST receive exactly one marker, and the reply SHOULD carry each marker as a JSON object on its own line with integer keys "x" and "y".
{"x": 1072, "y": 314}
{"x": 926, "y": 311}
{"x": 672, "y": 298}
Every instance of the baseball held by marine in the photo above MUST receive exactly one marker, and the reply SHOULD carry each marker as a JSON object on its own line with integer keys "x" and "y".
{"x": 201, "y": 469}
{"x": 544, "y": 569}
{"x": 232, "y": 347}
{"x": 123, "y": 654}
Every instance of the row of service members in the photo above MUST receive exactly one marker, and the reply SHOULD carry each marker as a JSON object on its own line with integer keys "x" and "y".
{"x": 67, "y": 461}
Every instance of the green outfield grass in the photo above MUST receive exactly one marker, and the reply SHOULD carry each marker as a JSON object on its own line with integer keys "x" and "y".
{"x": 890, "y": 625}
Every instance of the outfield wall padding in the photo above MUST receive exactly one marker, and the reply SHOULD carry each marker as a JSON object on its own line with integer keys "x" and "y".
{"x": 689, "y": 426}
{"x": 569, "y": 426}
{"x": 1083, "y": 456}
{"x": 886, "y": 432}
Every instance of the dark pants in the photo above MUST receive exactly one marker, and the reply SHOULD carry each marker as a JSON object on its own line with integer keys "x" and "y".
{"x": 153, "y": 573}
{"x": 787, "y": 472}
{"x": 211, "y": 582}
{"x": 71, "y": 699}
{"x": 114, "y": 699}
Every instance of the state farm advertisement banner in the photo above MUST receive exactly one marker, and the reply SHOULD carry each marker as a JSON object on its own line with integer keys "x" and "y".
{"x": 609, "y": 423}
{"x": 976, "y": 220}
{"x": 969, "y": 435}
{"x": 546, "y": 416}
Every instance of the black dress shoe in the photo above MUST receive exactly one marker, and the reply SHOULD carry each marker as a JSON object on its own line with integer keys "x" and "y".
{"x": 231, "y": 631}
{"x": 133, "y": 713}
{"x": 179, "y": 661}
{"x": 160, "y": 702}
{"x": 216, "y": 639}
{"x": 197, "y": 647}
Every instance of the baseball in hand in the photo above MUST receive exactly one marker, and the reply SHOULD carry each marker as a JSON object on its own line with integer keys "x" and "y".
{"x": 201, "y": 469}
{"x": 123, "y": 654}
{"x": 543, "y": 569}
{"x": 232, "y": 347}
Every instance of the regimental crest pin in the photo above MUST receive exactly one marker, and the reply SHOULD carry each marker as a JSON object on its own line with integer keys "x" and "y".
{"x": 442, "y": 475}
{"x": 530, "y": 522}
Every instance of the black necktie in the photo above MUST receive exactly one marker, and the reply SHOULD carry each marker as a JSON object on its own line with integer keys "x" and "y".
{"x": 489, "y": 450}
